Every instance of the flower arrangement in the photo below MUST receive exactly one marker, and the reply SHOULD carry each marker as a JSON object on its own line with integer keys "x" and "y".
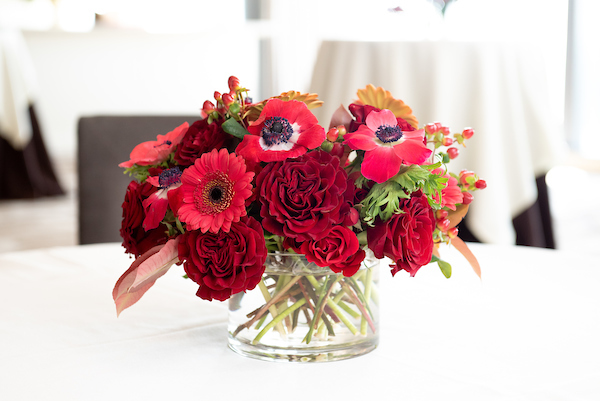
{"x": 254, "y": 178}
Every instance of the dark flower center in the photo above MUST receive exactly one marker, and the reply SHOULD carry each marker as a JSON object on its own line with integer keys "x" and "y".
{"x": 387, "y": 133}
{"x": 169, "y": 177}
{"x": 276, "y": 130}
{"x": 213, "y": 193}
{"x": 216, "y": 194}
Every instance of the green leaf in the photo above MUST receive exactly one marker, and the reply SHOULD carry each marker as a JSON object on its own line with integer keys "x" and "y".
{"x": 445, "y": 268}
{"x": 234, "y": 128}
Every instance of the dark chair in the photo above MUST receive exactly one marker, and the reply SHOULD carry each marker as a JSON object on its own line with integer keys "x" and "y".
{"x": 103, "y": 143}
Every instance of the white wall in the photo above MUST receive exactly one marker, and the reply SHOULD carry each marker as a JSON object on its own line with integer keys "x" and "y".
{"x": 111, "y": 71}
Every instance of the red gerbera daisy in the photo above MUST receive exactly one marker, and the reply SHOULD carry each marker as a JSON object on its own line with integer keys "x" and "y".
{"x": 285, "y": 129}
{"x": 213, "y": 191}
{"x": 387, "y": 146}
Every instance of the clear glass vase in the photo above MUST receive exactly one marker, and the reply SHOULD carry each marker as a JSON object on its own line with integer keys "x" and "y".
{"x": 301, "y": 312}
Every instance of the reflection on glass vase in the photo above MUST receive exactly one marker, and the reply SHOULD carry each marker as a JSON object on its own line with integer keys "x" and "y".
{"x": 301, "y": 312}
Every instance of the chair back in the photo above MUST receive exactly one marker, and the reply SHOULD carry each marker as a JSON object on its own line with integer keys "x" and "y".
{"x": 103, "y": 143}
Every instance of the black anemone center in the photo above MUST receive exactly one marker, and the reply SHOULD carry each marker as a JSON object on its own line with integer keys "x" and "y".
{"x": 387, "y": 133}
{"x": 169, "y": 177}
{"x": 216, "y": 194}
{"x": 276, "y": 130}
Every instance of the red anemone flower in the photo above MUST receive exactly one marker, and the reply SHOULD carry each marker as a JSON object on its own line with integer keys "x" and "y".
{"x": 155, "y": 152}
{"x": 156, "y": 204}
{"x": 387, "y": 146}
{"x": 284, "y": 129}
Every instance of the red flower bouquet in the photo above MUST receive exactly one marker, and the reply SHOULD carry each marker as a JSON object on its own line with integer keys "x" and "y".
{"x": 250, "y": 180}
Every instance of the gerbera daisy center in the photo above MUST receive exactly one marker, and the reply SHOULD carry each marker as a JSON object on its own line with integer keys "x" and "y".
{"x": 214, "y": 193}
{"x": 276, "y": 130}
{"x": 388, "y": 133}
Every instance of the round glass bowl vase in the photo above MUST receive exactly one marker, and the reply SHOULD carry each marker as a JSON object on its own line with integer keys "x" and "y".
{"x": 301, "y": 312}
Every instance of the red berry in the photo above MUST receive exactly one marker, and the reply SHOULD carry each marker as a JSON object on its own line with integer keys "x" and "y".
{"x": 467, "y": 133}
{"x": 332, "y": 134}
{"x": 430, "y": 128}
{"x": 441, "y": 214}
{"x": 480, "y": 184}
{"x": 438, "y": 126}
{"x": 465, "y": 176}
{"x": 217, "y": 95}
{"x": 467, "y": 198}
{"x": 208, "y": 106}
{"x": 443, "y": 225}
{"x": 452, "y": 153}
{"x": 233, "y": 83}
{"x": 453, "y": 232}
{"x": 447, "y": 141}
{"x": 445, "y": 130}
{"x": 227, "y": 99}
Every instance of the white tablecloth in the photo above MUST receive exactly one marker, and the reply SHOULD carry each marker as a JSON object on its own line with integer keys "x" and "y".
{"x": 499, "y": 89}
{"x": 528, "y": 331}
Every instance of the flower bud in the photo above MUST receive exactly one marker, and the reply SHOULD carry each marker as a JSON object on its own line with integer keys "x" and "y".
{"x": 233, "y": 83}
{"x": 453, "y": 232}
{"x": 467, "y": 198}
{"x": 447, "y": 141}
{"x": 445, "y": 130}
{"x": 480, "y": 184}
{"x": 452, "y": 153}
{"x": 467, "y": 133}
{"x": 466, "y": 177}
{"x": 438, "y": 126}
{"x": 217, "y": 96}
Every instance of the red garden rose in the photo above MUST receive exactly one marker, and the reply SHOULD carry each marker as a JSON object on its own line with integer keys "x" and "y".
{"x": 339, "y": 250}
{"x": 304, "y": 198}
{"x": 135, "y": 239}
{"x": 200, "y": 138}
{"x": 224, "y": 263}
{"x": 405, "y": 238}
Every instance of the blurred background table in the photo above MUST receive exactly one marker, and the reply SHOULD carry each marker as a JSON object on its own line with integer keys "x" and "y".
{"x": 499, "y": 89}
{"x": 528, "y": 331}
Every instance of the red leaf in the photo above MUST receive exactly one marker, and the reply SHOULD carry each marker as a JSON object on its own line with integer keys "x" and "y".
{"x": 143, "y": 273}
{"x": 340, "y": 117}
{"x": 466, "y": 252}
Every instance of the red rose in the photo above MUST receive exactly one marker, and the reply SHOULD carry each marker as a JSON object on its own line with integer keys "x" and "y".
{"x": 304, "y": 198}
{"x": 200, "y": 138}
{"x": 360, "y": 113}
{"x": 225, "y": 263}
{"x": 339, "y": 250}
{"x": 135, "y": 239}
{"x": 405, "y": 238}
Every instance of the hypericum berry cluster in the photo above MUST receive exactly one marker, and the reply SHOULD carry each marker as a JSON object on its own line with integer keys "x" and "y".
{"x": 227, "y": 104}
{"x": 439, "y": 135}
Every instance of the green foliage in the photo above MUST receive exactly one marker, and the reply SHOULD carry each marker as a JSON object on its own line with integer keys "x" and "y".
{"x": 444, "y": 266}
{"x": 140, "y": 173}
{"x": 234, "y": 128}
{"x": 383, "y": 201}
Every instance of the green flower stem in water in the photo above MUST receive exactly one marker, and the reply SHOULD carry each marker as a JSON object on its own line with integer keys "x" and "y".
{"x": 272, "y": 308}
{"x": 368, "y": 286}
{"x": 343, "y": 318}
{"x": 278, "y": 319}
{"x": 266, "y": 306}
{"x": 325, "y": 291}
{"x": 359, "y": 304}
